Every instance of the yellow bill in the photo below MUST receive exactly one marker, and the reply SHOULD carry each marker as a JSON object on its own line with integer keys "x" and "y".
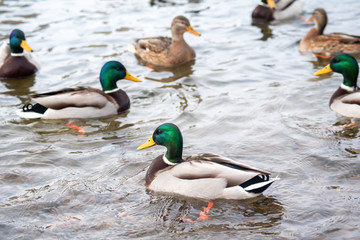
{"x": 310, "y": 19}
{"x": 271, "y": 3}
{"x": 190, "y": 29}
{"x": 131, "y": 77}
{"x": 25, "y": 46}
{"x": 326, "y": 69}
{"x": 148, "y": 143}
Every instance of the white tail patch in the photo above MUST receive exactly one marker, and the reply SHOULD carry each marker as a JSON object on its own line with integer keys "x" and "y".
{"x": 30, "y": 115}
{"x": 131, "y": 48}
{"x": 261, "y": 184}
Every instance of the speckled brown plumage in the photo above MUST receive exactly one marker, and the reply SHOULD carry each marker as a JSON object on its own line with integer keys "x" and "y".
{"x": 165, "y": 51}
{"x": 317, "y": 42}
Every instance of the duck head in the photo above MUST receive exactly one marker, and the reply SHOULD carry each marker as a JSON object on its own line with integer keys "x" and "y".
{"x": 271, "y": 3}
{"x": 113, "y": 71}
{"x": 18, "y": 42}
{"x": 180, "y": 25}
{"x": 167, "y": 135}
{"x": 346, "y": 65}
{"x": 319, "y": 16}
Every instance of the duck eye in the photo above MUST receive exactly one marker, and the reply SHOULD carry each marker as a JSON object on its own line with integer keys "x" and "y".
{"x": 336, "y": 60}
{"x": 158, "y": 131}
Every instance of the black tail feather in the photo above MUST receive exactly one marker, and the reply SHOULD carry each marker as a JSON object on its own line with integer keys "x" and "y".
{"x": 261, "y": 189}
{"x": 256, "y": 179}
{"x": 38, "y": 108}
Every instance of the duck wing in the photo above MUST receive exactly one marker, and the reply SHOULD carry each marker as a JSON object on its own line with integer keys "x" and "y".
{"x": 352, "y": 98}
{"x": 345, "y": 38}
{"x": 73, "y": 97}
{"x": 155, "y": 45}
{"x": 212, "y": 166}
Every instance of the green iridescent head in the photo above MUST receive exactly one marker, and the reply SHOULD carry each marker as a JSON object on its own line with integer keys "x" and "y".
{"x": 113, "y": 71}
{"x": 344, "y": 64}
{"x": 17, "y": 42}
{"x": 167, "y": 135}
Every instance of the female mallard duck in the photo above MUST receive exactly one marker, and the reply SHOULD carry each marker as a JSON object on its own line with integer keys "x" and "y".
{"x": 346, "y": 99}
{"x": 316, "y": 41}
{"x": 84, "y": 102}
{"x": 205, "y": 175}
{"x": 14, "y": 62}
{"x": 165, "y": 51}
{"x": 268, "y": 10}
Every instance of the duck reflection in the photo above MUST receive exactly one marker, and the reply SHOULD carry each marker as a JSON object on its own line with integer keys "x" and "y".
{"x": 264, "y": 29}
{"x": 342, "y": 129}
{"x": 256, "y": 213}
{"x": 183, "y": 70}
{"x": 19, "y": 87}
{"x": 170, "y": 3}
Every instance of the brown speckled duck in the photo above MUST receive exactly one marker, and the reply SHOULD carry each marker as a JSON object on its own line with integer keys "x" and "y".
{"x": 84, "y": 102}
{"x": 165, "y": 51}
{"x": 317, "y": 42}
{"x": 14, "y": 62}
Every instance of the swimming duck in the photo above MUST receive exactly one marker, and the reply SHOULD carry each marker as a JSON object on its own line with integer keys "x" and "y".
{"x": 346, "y": 99}
{"x": 204, "y": 176}
{"x": 333, "y": 43}
{"x": 165, "y": 51}
{"x": 268, "y": 10}
{"x": 14, "y": 62}
{"x": 84, "y": 102}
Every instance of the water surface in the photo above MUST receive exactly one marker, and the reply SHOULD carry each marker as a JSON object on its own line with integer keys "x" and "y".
{"x": 249, "y": 95}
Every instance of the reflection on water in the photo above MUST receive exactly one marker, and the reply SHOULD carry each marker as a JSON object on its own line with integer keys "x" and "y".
{"x": 256, "y": 214}
{"x": 19, "y": 87}
{"x": 183, "y": 70}
{"x": 264, "y": 29}
{"x": 164, "y": 3}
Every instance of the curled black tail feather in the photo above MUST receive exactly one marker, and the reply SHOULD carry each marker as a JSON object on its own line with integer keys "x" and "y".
{"x": 256, "y": 179}
{"x": 38, "y": 108}
{"x": 260, "y": 189}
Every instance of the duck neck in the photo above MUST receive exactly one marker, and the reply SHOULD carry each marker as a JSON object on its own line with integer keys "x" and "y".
{"x": 320, "y": 26}
{"x": 350, "y": 78}
{"x": 108, "y": 85}
{"x": 177, "y": 37}
{"x": 173, "y": 154}
{"x": 16, "y": 50}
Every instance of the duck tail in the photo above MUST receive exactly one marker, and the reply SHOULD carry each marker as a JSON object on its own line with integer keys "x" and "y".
{"x": 258, "y": 184}
{"x": 32, "y": 111}
{"x": 131, "y": 48}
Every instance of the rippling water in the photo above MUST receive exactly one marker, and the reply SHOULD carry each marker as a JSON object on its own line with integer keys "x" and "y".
{"x": 249, "y": 95}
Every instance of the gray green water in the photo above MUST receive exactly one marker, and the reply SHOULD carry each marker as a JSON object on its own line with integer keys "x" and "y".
{"x": 249, "y": 95}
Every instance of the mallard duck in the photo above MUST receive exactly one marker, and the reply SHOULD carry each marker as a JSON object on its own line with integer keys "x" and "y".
{"x": 333, "y": 43}
{"x": 346, "y": 99}
{"x": 204, "y": 176}
{"x": 165, "y": 51}
{"x": 14, "y": 62}
{"x": 84, "y": 102}
{"x": 268, "y": 10}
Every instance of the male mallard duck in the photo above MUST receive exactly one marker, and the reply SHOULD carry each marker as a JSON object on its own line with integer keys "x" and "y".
{"x": 316, "y": 41}
{"x": 165, "y": 51}
{"x": 84, "y": 102}
{"x": 14, "y": 62}
{"x": 268, "y": 10}
{"x": 346, "y": 99}
{"x": 205, "y": 175}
